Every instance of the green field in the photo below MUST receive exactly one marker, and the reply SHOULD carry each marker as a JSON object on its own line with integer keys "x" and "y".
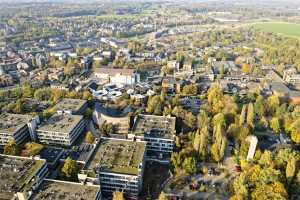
{"x": 287, "y": 29}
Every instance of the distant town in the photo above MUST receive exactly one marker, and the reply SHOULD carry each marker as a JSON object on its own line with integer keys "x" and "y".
{"x": 162, "y": 100}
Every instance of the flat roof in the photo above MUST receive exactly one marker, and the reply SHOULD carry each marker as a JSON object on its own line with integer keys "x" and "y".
{"x": 63, "y": 123}
{"x": 58, "y": 190}
{"x": 16, "y": 173}
{"x": 154, "y": 126}
{"x": 70, "y": 104}
{"x": 10, "y": 123}
{"x": 118, "y": 156}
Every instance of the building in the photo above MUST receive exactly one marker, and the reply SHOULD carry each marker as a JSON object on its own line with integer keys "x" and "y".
{"x": 119, "y": 165}
{"x": 157, "y": 131}
{"x": 117, "y": 76}
{"x": 20, "y": 176}
{"x": 17, "y": 127}
{"x": 71, "y": 106}
{"x": 62, "y": 190}
{"x": 119, "y": 118}
{"x": 61, "y": 129}
{"x": 291, "y": 76}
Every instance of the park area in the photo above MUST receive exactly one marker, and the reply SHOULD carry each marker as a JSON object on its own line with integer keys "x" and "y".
{"x": 286, "y": 29}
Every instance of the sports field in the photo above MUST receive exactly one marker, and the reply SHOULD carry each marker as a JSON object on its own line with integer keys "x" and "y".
{"x": 288, "y": 29}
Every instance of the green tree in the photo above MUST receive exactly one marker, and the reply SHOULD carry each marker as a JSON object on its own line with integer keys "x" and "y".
{"x": 290, "y": 169}
{"x": 89, "y": 138}
{"x": 70, "y": 169}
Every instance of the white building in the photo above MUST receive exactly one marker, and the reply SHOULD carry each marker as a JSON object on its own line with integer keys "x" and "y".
{"x": 117, "y": 76}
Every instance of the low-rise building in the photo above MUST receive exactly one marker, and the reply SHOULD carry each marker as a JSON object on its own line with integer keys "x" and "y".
{"x": 17, "y": 127}
{"x": 71, "y": 106}
{"x": 157, "y": 131}
{"x": 19, "y": 176}
{"x": 62, "y": 190}
{"x": 117, "y": 76}
{"x": 119, "y": 165}
{"x": 61, "y": 129}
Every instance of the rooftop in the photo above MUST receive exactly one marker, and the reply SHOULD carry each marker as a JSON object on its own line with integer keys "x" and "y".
{"x": 70, "y": 104}
{"x": 115, "y": 71}
{"x": 16, "y": 174}
{"x": 63, "y": 123}
{"x": 118, "y": 156}
{"x": 154, "y": 126}
{"x": 53, "y": 190}
{"x": 10, "y": 123}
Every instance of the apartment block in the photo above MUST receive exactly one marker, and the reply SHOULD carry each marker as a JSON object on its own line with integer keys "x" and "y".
{"x": 19, "y": 128}
{"x": 61, "y": 129}
{"x": 20, "y": 176}
{"x": 157, "y": 131}
{"x": 119, "y": 166}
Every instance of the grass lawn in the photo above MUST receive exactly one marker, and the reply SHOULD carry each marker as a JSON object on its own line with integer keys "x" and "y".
{"x": 287, "y": 29}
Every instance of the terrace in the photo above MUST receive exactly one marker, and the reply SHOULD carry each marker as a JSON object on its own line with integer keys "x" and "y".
{"x": 60, "y": 123}
{"x": 65, "y": 191}
{"x": 155, "y": 126}
{"x": 118, "y": 156}
{"x": 16, "y": 175}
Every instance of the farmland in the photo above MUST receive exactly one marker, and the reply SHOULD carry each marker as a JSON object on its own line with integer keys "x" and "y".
{"x": 287, "y": 29}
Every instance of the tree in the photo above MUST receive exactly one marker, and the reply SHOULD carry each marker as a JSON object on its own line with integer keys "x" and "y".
{"x": 202, "y": 119}
{"x": 189, "y": 165}
{"x": 246, "y": 68}
{"x": 118, "y": 195}
{"x": 33, "y": 148}
{"x": 11, "y": 148}
{"x": 295, "y": 131}
{"x": 197, "y": 140}
{"x": 190, "y": 89}
{"x": 290, "y": 169}
{"x": 275, "y": 124}
{"x": 162, "y": 196}
{"x": 215, "y": 152}
{"x": 70, "y": 169}
{"x": 259, "y": 106}
{"x": 154, "y": 105}
{"x": 89, "y": 138}
{"x": 190, "y": 120}
{"x": 273, "y": 103}
{"x": 250, "y": 115}
{"x": 243, "y": 115}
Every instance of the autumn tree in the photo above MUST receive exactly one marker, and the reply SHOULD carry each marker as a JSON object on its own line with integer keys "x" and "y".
{"x": 118, "y": 195}
{"x": 70, "y": 169}
{"x": 89, "y": 138}
{"x": 11, "y": 148}
{"x": 162, "y": 196}
{"x": 250, "y": 115}
{"x": 246, "y": 68}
